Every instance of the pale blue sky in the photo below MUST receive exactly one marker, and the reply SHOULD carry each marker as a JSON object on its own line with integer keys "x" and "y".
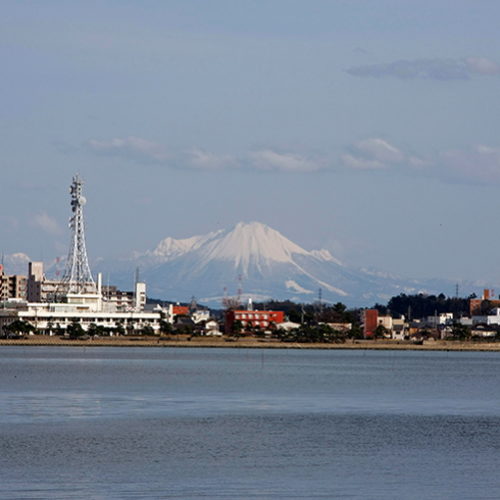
{"x": 366, "y": 127}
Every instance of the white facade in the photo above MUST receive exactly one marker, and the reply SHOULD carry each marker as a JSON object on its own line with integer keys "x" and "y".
{"x": 140, "y": 296}
{"x": 385, "y": 321}
{"x": 288, "y": 326}
{"x": 212, "y": 329}
{"x": 51, "y": 317}
{"x": 439, "y": 319}
{"x": 200, "y": 315}
{"x": 85, "y": 309}
{"x": 490, "y": 319}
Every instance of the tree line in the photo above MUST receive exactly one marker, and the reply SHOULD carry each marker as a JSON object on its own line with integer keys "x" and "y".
{"x": 421, "y": 305}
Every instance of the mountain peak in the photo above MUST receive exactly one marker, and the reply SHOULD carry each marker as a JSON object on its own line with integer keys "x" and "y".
{"x": 16, "y": 263}
{"x": 261, "y": 260}
{"x": 245, "y": 244}
{"x": 253, "y": 242}
{"x": 169, "y": 248}
{"x": 251, "y": 226}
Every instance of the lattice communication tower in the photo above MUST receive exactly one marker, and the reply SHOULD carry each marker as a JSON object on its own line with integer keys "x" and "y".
{"x": 77, "y": 277}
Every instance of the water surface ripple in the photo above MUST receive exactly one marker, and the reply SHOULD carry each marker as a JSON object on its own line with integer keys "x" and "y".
{"x": 119, "y": 423}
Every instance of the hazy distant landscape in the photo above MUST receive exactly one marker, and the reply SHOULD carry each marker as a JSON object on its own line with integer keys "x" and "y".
{"x": 262, "y": 264}
{"x": 275, "y": 275}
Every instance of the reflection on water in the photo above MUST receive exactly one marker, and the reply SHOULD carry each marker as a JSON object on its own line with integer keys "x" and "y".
{"x": 193, "y": 423}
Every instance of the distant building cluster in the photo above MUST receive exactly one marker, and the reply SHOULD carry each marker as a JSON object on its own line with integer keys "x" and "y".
{"x": 76, "y": 304}
{"x": 35, "y": 299}
{"x": 54, "y": 307}
{"x": 483, "y": 322}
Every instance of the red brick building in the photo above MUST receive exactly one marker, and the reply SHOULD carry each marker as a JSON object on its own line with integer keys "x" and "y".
{"x": 370, "y": 322}
{"x": 476, "y": 306}
{"x": 261, "y": 319}
{"x": 180, "y": 310}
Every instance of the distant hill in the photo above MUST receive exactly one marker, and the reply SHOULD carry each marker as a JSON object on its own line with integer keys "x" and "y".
{"x": 263, "y": 262}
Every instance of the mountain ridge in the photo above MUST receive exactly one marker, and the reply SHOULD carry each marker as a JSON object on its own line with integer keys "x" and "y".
{"x": 261, "y": 260}
{"x": 255, "y": 257}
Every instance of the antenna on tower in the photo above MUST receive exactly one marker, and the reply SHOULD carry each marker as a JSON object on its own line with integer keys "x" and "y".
{"x": 240, "y": 288}
{"x": 137, "y": 275}
{"x": 229, "y": 303}
{"x": 77, "y": 277}
{"x": 193, "y": 306}
{"x": 225, "y": 299}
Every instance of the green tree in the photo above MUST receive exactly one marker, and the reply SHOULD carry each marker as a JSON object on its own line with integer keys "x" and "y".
{"x": 75, "y": 330}
{"x": 19, "y": 327}
{"x": 148, "y": 330}
{"x": 259, "y": 332}
{"x": 93, "y": 329}
{"x": 486, "y": 307}
{"x": 165, "y": 327}
{"x": 339, "y": 308}
{"x": 96, "y": 330}
{"x": 380, "y": 332}
{"x": 119, "y": 329}
{"x": 460, "y": 332}
{"x": 356, "y": 331}
{"x": 321, "y": 333}
{"x": 237, "y": 327}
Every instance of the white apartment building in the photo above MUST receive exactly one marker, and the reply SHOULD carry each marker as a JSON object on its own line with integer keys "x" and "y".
{"x": 85, "y": 309}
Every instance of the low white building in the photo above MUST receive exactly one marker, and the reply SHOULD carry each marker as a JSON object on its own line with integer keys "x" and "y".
{"x": 212, "y": 329}
{"x": 200, "y": 315}
{"x": 287, "y": 326}
{"x": 84, "y": 309}
{"x": 439, "y": 320}
{"x": 490, "y": 319}
{"x": 399, "y": 329}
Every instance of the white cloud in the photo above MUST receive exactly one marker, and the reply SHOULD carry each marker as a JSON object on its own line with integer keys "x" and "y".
{"x": 133, "y": 148}
{"x": 429, "y": 69}
{"x": 282, "y": 162}
{"x": 416, "y": 162}
{"x": 198, "y": 158}
{"x": 144, "y": 151}
{"x": 359, "y": 163}
{"x": 381, "y": 150}
{"x": 373, "y": 154}
{"x": 47, "y": 223}
{"x": 482, "y": 66}
{"x": 479, "y": 164}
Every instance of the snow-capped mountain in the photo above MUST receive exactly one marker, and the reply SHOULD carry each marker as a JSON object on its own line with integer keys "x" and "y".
{"x": 257, "y": 258}
{"x": 16, "y": 263}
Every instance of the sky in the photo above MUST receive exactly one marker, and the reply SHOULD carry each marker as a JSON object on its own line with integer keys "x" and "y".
{"x": 366, "y": 127}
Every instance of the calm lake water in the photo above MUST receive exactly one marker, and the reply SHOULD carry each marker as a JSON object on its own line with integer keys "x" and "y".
{"x": 127, "y": 423}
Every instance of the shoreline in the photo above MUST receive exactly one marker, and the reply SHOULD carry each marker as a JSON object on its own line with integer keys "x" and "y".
{"x": 242, "y": 343}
